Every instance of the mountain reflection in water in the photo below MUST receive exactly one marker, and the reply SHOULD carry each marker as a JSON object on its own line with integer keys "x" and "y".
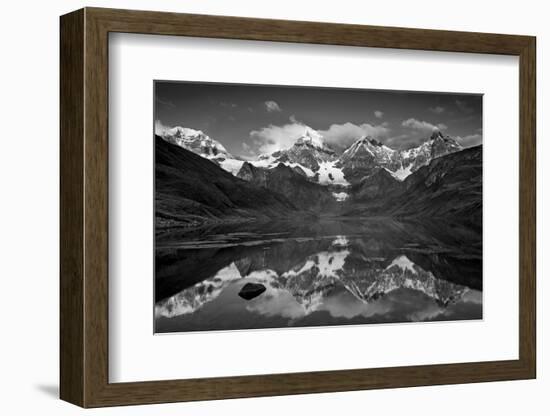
{"x": 317, "y": 274}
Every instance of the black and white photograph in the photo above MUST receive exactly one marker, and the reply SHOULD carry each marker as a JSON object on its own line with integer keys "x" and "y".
{"x": 293, "y": 206}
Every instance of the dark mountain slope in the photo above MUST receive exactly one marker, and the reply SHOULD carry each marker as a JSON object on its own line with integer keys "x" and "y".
{"x": 296, "y": 187}
{"x": 191, "y": 190}
{"x": 378, "y": 186}
{"x": 448, "y": 187}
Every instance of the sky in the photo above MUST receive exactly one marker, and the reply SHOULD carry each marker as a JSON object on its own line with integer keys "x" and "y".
{"x": 253, "y": 119}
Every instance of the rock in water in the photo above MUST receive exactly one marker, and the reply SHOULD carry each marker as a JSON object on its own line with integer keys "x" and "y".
{"x": 251, "y": 290}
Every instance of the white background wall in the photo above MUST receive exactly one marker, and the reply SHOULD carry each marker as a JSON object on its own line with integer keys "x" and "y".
{"x": 29, "y": 85}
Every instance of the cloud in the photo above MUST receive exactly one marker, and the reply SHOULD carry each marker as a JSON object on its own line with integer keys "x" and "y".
{"x": 293, "y": 119}
{"x": 437, "y": 109}
{"x": 378, "y": 114}
{"x": 470, "y": 140}
{"x": 340, "y": 136}
{"x": 249, "y": 153}
{"x": 403, "y": 141}
{"x": 160, "y": 128}
{"x": 166, "y": 103}
{"x": 423, "y": 126}
{"x": 272, "y": 138}
{"x": 272, "y": 106}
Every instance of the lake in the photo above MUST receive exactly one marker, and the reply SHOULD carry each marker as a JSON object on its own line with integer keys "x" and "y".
{"x": 316, "y": 273}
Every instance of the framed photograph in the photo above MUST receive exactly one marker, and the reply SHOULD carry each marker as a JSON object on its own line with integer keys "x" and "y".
{"x": 260, "y": 207}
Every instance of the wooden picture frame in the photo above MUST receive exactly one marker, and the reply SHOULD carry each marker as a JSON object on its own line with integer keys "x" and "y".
{"x": 84, "y": 207}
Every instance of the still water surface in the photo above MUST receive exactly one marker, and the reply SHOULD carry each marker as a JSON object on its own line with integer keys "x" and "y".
{"x": 328, "y": 272}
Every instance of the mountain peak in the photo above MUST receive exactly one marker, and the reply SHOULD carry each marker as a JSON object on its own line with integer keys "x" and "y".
{"x": 368, "y": 140}
{"x": 436, "y": 134}
{"x": 183, "y": 132}
{"x": 371, "y": 146}
{"x": 311, "y": 137}
{"x": 196, "y": 141}
{"x": 374, "y": 142}
{"x": 309, "y": 151}
{"x": 442, "y": 145}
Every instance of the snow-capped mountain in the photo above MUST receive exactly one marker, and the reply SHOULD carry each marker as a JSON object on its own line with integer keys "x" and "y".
{"x": 369, "y": 148}
{"x": 437, "y": 145}
{"x": 311, "y": 157}
{"x": 200, "y": 143}
{"x": 363, "y": 158}
{"x": 309, "y": 150}
{"x": 366, "y": 156}
{"x": 313, "y": 138}
{"x": 196, "y": 141}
